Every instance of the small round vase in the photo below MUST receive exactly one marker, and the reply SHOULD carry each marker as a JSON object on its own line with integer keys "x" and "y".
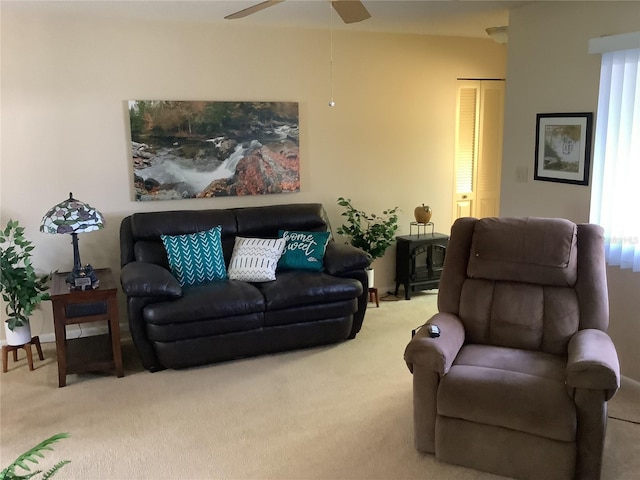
{"x": 422, "y": 214}
{"x": 18, "y": 336}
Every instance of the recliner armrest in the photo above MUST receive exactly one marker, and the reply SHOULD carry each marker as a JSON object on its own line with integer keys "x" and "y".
{"x": 343, "y": 257}
{"x": 592, "y": 362}
{"x": 141, "y": 279}
{"x": 436, "y": 353}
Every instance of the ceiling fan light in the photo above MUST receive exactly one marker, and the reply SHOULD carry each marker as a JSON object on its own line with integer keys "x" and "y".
{"x": 499, "y": 34}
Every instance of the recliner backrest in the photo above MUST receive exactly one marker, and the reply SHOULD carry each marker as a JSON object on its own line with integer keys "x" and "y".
{"x": 516, "y": 282}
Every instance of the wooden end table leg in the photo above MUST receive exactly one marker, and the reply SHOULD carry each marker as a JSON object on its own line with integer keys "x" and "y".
{"x": 61, "y": 342}
{"x": 114, "y": 332}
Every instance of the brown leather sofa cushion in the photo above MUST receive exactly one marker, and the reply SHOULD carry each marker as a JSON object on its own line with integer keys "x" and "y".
{"x": 207, "y": 301}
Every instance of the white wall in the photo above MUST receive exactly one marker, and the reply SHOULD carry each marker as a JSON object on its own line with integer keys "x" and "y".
{"x": 389, "y": 140}
{"x": 550, "y": 71}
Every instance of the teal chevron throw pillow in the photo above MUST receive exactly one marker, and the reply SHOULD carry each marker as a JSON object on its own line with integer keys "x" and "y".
{"x": 255, "y": 259}
{"x": 303, "y": 250}
{"x": 196, "y": 258}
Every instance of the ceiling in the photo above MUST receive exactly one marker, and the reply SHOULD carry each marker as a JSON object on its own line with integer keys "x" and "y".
{"x": 467, "y": 18}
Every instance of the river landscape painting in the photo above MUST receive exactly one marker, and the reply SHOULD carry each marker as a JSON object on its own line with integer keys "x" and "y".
{"x": 200, "y": 149}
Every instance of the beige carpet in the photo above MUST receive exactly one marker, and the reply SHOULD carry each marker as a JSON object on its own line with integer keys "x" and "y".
{"x": 336, "y": 412}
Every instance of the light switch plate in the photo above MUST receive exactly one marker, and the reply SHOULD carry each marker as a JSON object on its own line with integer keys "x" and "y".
{"x": 522, "y": 174}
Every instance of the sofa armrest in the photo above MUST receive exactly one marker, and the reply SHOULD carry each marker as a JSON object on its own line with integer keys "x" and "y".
{"x": 343, "y": 257}
{"x": 592, "y": 362}
{"x": 141, "y": 279}
{"x": 436, "y": 353}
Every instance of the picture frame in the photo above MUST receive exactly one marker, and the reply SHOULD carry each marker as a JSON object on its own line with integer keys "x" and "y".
{"x": 563, "y": 147}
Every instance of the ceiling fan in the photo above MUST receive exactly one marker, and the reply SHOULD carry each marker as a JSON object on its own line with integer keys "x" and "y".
{"x": 351, "y": 11}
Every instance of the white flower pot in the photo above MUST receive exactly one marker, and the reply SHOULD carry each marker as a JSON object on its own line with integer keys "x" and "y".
{"x": 370, "y": 276}
{"x": 19, "y": 335}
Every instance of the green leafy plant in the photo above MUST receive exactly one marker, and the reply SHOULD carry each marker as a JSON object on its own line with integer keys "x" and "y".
{"x": 370, "y": 232}
{"x": 22, "y": 288}
{"x": 32, "y": 456}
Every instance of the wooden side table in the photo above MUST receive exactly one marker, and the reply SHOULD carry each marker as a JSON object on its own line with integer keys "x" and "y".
{"x": 86, "y": 354}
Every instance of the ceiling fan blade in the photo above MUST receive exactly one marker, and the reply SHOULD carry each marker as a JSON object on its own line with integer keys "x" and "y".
{"x": 351, "y": 11}
{"x": 253, "y": 9}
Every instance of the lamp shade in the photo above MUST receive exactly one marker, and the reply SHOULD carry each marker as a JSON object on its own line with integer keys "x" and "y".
{"x": 72, "y": 216}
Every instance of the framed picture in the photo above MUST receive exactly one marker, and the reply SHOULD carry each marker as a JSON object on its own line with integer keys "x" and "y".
{"x": 563, "y": 147}
{"x": 204, "y": 149}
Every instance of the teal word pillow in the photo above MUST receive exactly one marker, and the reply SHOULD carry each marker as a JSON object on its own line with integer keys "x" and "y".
{"x": 303, "y": 250}
{"x": 196, "y": 258}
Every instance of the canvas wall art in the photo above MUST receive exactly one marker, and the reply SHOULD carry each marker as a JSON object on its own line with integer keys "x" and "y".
{"x": 200, "y": 149}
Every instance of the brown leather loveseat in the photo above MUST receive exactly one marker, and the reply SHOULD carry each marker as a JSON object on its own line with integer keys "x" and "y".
{"x": 176, "y": 326}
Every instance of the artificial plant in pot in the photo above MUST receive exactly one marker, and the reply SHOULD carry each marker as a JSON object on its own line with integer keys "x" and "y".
{"x": 22, "y": 288}
{"x": 372, "y": 233}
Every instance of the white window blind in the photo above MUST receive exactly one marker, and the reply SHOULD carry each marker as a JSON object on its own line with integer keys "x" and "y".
{"x": 616, "y": 162}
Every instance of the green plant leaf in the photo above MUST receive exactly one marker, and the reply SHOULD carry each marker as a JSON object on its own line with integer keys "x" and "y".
{"x": 370, "y": 232}
{"x": 53, "y": 470}
{"x": 32, "y": 455}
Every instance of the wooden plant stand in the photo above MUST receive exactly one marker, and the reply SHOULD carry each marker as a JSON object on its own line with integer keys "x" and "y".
{"x": 27, "y": 348}
{"x": 373, "y": 296}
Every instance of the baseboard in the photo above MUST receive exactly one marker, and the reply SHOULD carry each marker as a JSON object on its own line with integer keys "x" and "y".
{"x": 77, "y": 331}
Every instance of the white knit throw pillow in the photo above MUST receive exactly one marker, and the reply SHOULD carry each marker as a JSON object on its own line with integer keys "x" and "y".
{"x": 255, "y": 259}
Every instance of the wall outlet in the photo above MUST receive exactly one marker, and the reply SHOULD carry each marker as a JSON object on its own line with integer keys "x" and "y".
{"x": 522, "y": 174}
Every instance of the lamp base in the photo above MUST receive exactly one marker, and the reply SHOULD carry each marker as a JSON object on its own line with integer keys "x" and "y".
{"x": 83, "y": 278}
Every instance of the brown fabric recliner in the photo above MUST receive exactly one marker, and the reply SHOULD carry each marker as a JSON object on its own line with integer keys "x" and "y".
{"x": 518, "y": 380}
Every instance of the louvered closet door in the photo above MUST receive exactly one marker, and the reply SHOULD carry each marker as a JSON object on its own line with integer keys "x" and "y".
{"x": 478, "y": 152}
{"x": 467, "y": 120}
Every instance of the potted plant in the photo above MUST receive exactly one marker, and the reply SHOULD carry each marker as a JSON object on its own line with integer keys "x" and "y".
{"x": 372, "y": 233}
{"x": 22, "y": 288}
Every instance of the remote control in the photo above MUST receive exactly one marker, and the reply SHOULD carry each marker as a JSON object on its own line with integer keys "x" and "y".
{"x": 434, "y": 330}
